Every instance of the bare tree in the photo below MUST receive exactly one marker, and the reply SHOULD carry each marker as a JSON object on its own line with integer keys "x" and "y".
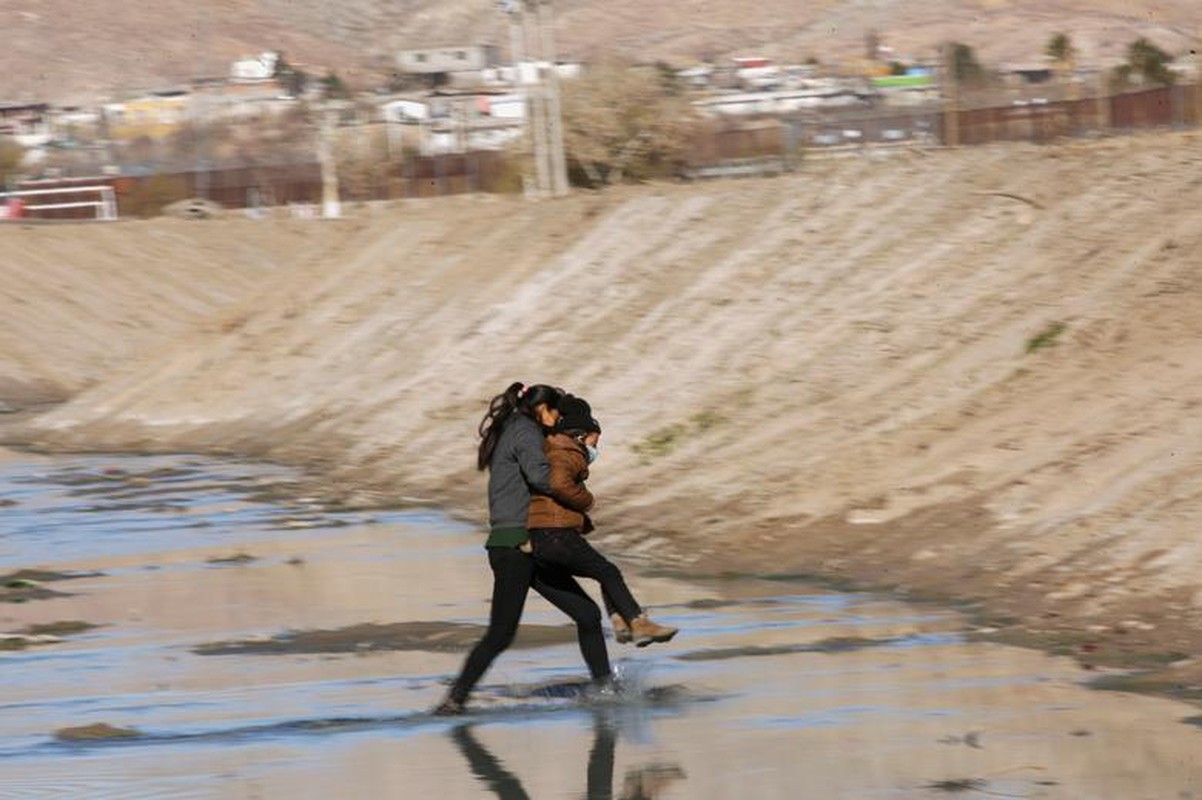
{"x": 624, "y": 122}
{"x": 11, "y": 156}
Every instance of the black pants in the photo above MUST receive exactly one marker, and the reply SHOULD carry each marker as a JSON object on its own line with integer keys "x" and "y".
{"x": 514, "y": 574}
{"x": 567, "y": 549}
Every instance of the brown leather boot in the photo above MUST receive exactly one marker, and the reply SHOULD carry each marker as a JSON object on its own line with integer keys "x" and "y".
{"x": 622, "y": 633}
{"x": 645, "y": 631}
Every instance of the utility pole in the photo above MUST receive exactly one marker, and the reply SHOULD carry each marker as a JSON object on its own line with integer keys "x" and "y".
{"x": 531, "y": 30}
{"x": 951, "y": 98}
{"x": 204, "y": 38}
{"x": 516, "y": 56}
{"x": 331, "y": 206}
{"x": 536, "y": 99}
{"x": 1197, "y": 120}
{"x": 558, "y": 158}
{"x": 1103, "y": 107}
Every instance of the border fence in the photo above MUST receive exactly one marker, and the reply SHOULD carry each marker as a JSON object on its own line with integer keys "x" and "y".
{"x": 1037, "y": 120}
{"x": 278, "y": 185}
{"x": 965, "y": 122}
{"x": 764, "y": 145}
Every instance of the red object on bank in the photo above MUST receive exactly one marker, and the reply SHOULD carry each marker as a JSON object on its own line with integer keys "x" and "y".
{"x": 13, "y": 209}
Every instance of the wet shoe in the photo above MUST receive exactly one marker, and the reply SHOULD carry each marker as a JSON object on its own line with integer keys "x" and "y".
{"x": 622, "y": 633}
{"x": 644, "y": 631}
{"x": 448, "y": 708}
{"x": 603, "y": 688}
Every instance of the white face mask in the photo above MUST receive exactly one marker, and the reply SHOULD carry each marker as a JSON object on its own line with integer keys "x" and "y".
{"x": 593, "y": 453}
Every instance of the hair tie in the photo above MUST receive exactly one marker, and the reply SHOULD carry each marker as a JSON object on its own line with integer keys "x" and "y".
{"x": 522, "y": 391}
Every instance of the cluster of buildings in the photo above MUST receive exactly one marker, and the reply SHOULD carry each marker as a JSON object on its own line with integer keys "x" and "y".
{"x": 456, "y": 99}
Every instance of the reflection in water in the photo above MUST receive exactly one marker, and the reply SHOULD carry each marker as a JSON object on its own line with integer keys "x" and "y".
{"x": 640, "y": 783}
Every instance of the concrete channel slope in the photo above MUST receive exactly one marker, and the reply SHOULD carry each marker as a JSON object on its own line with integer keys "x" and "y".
{"x": 81, "y": 301}
{"x": 973, "y": 373}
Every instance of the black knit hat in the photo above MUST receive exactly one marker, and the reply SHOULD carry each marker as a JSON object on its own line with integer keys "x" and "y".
{"x": 575, "y": 414}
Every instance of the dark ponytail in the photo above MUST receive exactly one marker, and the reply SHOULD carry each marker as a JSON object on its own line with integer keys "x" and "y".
{"x": 518, "y": 398}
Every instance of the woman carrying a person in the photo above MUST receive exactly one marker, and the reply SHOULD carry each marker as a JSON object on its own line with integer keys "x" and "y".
{"x": 512, "y": 451}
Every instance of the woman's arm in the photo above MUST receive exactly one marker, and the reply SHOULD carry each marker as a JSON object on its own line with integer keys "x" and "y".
{"x": 531, "y": 458}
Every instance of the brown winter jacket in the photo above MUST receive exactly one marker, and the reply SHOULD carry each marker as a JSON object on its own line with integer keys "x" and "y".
{"x": 571, "y": 498}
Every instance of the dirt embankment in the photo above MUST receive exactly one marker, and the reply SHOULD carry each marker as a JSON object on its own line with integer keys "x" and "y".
{"x": 81, "y": 302}
{"x": 972, "y": 373}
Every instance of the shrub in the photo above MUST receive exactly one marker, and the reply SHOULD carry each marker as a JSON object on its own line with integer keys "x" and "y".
{"x": 11, "y": 156}
{"x": 147, "y": 198}
{"x": 1047, "y": 337}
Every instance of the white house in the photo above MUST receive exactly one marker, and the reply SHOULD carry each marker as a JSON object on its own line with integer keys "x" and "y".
{"x": 256, "y": 68}
{"x": 405, "y": 112}
{"x": 757, "y": 72}
{"x": 527, "y": 72}
{"x": 28, "y": 123}
{"x": 504, "y": 106}
{"x": 696, "y": 77}
{"x": 821, "y": 95}
{"x": 477, "y": 135}
{"x": 447, "y": 60}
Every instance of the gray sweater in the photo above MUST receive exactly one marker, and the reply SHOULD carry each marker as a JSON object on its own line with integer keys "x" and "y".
{"x": 518, "y": 465}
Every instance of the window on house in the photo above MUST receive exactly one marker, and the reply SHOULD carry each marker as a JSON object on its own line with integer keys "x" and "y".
{"x": 420, "y": 58}
{"x": 461, "y": 55}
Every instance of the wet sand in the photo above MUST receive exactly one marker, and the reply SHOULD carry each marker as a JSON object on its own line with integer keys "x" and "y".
{"x": 774, "y": 689}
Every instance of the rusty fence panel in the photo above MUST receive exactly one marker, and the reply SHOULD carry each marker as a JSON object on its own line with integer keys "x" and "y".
{"x": 247, "y": 187}
{"x": 65, "y": 197}
{"x": 735, "y": 142}
{"x": 1150, "y": 108}
{"x": 1029, "y": 122}
{"x": 454, "y": 173}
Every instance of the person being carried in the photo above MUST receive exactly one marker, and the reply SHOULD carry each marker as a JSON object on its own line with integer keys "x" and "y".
{"x": 559, "y": 520}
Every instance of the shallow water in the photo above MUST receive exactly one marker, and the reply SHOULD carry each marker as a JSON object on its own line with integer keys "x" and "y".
{"x": 772, "y": 690}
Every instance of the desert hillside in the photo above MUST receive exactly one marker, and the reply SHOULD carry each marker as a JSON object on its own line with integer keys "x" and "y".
{"x": 60, "y": 50}
{"x": 973, "y": 373}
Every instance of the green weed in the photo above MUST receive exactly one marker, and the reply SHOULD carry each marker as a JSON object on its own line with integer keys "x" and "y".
{"x": 663, "y": 441}
{"x": 1048, "y": 337}
{"x": 660, "y": 442}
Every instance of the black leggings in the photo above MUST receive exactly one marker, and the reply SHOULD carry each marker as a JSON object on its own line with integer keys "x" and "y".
{"x": 514, "y": 574}
{"x": 567, "y": 549}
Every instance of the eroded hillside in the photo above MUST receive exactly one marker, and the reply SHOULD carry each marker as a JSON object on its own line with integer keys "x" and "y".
{"x": 57, "y": 50}
{"x": 975, "y": 373}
